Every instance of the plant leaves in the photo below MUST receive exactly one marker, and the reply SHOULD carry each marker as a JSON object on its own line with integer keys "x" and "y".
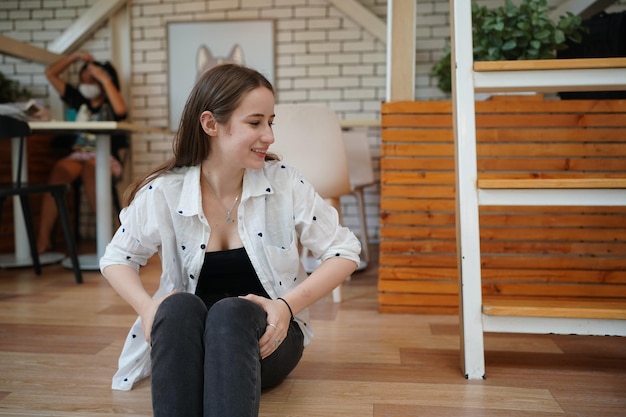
{"x": 559, "y": 36}
{"x": 509, "y": 45}
{"x": 514, "y": 32}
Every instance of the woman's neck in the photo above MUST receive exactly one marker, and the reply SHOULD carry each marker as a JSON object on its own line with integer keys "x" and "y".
{"x": 222, "y": 183}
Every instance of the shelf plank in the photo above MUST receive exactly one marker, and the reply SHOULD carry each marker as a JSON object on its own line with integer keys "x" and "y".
{"x": 592, "y": 309}
{"x": 550, "y": 64}
{"x": 610, "y": 79}
{"x": 553, "y": 183}
{"x": 551, "y": 75}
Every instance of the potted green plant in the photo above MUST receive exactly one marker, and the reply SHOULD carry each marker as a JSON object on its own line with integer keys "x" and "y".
{"x": 513, "y": 32}
{"x": 11, "y": 91}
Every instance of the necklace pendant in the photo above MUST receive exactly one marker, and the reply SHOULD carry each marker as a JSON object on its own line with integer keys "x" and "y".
{"x": 229, "y": 219}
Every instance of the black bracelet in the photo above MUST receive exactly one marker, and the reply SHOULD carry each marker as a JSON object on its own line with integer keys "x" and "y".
{"x": 288, "y": 306}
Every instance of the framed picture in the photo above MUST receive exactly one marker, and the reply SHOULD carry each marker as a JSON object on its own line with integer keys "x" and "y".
{"x": 194, "y": 47}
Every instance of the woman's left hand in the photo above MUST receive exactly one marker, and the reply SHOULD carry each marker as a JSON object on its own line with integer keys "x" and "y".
{"x": 278, "y": 320}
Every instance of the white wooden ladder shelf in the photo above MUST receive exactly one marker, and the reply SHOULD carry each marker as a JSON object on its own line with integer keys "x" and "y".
{"x": 559, "y": 316}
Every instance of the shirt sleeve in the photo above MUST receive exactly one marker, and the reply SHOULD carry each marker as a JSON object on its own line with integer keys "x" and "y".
{"x": 319, "y": 225}
{"x": 138, "y": 238}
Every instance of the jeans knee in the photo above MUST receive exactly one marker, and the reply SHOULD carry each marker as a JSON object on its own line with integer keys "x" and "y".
{"x": 234, "y": 312}
{"x": 182, "y": 303}
{"x": 179, "y": 311}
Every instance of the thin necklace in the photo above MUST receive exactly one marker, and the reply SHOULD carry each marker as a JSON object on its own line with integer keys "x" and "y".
{"x": 229, "y": 218}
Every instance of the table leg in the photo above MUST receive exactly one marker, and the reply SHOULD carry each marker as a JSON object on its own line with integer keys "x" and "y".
{"x": 104, "y": 224}
{"x": 22, "y": 249}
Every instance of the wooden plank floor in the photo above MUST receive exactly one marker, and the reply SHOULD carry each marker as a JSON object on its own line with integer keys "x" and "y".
{"x": 59, "y": 343}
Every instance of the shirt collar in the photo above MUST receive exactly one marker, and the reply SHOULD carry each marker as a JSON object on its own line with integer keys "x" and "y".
{"x": 255, "y": 183}
{"x": 190, "y": 203}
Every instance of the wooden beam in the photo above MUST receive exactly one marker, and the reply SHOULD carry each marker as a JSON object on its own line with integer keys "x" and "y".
{"x": 80, "y": 30}
{"x": 119, "y": 25}
{"x": 401, "y": 50}
{"x": 85, "y": 25}
{"x": 362, "y": 16}
{"x": 26, "y": 51}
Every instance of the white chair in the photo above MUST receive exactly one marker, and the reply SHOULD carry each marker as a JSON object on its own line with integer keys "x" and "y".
{"x": 362, "y": 176}
{"x": 309, "y": 137}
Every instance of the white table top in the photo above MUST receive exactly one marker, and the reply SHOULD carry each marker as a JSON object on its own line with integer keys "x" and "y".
{"x": 103, "y": 127}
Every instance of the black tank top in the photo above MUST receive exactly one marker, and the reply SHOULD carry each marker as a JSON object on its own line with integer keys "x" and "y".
{"x": 227, "y": 273}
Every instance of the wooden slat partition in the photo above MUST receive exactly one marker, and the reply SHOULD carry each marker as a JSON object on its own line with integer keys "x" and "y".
{"x": 537, "y": 252}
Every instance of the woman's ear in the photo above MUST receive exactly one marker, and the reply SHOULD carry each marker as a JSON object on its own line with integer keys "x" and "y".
{"x": 208, "y": 123}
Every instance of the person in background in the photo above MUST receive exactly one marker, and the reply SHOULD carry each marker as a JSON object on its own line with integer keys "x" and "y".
{"x": 97, "y": 98}
{"x": 226, "y": 217}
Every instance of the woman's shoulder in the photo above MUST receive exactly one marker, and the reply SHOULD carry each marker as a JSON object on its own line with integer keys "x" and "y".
{"x": 72, "y": 97}
{"x": 277, "y": 169}
{"x": 173, "y": 175}
{"x": 283, "y": 178}
{"x": 169, "y": 182}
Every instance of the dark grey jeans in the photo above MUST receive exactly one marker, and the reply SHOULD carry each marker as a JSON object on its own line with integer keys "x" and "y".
{"x": 208, "y": 362}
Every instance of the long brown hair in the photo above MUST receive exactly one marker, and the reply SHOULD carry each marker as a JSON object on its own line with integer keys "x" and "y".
{"x": 219, "y": 90}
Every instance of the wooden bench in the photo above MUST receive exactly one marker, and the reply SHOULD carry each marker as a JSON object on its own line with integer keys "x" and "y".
{"x": 468, "y": 78}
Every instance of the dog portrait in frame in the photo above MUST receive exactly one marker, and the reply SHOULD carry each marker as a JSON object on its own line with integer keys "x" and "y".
{"x": 194, "y": 47}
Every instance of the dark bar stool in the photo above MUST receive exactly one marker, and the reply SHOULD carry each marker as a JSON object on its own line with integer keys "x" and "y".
{"x": 11, "y": 127}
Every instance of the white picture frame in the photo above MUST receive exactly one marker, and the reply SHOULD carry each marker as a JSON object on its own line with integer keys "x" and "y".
{"x": 194, "y": 47}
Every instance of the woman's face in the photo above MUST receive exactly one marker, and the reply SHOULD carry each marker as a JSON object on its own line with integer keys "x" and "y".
{"x": 90, "y": 86}
{"x": 86, "y": 76}
{"x": 245, "y": 139}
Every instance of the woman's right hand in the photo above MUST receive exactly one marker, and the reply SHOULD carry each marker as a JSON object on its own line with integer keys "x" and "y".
{"x": 149, "y": 312}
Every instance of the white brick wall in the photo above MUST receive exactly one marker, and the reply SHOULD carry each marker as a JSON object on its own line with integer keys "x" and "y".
{"x": 321, "y": 56}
